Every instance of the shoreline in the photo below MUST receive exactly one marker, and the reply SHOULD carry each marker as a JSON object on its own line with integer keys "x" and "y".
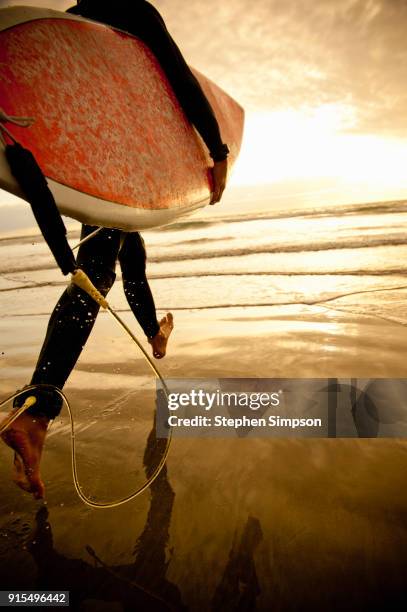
{"x": 295, "y": 341}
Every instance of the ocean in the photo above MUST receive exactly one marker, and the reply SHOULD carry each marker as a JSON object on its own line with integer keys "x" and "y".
{"x": 348, "y": 257}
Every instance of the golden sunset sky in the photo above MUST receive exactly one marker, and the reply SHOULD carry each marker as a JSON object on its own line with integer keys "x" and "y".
{"x": 323, "y": 84}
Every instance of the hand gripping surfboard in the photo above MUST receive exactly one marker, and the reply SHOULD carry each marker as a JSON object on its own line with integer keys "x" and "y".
{"x": 109, "y": 133}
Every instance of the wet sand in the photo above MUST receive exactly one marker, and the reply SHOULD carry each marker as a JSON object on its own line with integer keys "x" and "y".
{"x": 237, "y": 524}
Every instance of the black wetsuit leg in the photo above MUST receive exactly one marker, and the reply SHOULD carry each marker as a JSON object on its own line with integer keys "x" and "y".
{"x": 132, "y": 258}
{"x": 72, "y": 319}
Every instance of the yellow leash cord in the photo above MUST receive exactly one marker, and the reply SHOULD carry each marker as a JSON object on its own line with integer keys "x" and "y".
{"x": 80, "y": 279}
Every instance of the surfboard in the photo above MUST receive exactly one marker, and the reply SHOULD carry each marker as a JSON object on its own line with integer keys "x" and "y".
{"x": 109, "y": 133}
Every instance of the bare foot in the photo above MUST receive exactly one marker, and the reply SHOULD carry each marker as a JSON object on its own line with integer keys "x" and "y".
{"x": 159, "y": 342}
{"x": 26, "y": 437}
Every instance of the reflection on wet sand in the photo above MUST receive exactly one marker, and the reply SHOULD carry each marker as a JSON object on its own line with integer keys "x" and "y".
{"x": 259, "y": 524}
{"x": 140, "y": 585}
{"x": 274, "y": 532}
{"x": 239, "y": 587}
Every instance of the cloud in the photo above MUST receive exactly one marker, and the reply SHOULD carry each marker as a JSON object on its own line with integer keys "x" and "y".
{"x": 295, "y": 54}
{"x": 278, "y": 54}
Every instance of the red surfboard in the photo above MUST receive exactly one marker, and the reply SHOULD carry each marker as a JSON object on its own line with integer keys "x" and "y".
{"x": 109, "y": 133}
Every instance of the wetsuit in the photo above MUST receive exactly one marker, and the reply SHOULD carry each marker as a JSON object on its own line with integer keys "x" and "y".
{"x": 141, "y": 19}
{"x": 74, "y": 315}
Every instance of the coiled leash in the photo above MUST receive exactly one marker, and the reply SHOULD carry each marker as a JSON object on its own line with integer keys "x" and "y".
{"x": 36, "y": 191}
{"x": 80, "y": 279}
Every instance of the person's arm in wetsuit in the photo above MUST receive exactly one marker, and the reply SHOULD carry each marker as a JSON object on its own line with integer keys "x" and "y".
{"x": 141, "y": 19}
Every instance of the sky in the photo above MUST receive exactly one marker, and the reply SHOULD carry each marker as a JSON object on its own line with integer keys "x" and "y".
{"x": 322, "y": 83}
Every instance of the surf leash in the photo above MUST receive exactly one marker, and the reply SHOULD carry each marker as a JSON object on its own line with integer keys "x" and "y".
{"x": 82, "y": 281}
{"x": 33, "y": 183}
{"x": 31, "y": 400}
{"x": 88, "y": 237}
{"x": 20, "y": 121}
